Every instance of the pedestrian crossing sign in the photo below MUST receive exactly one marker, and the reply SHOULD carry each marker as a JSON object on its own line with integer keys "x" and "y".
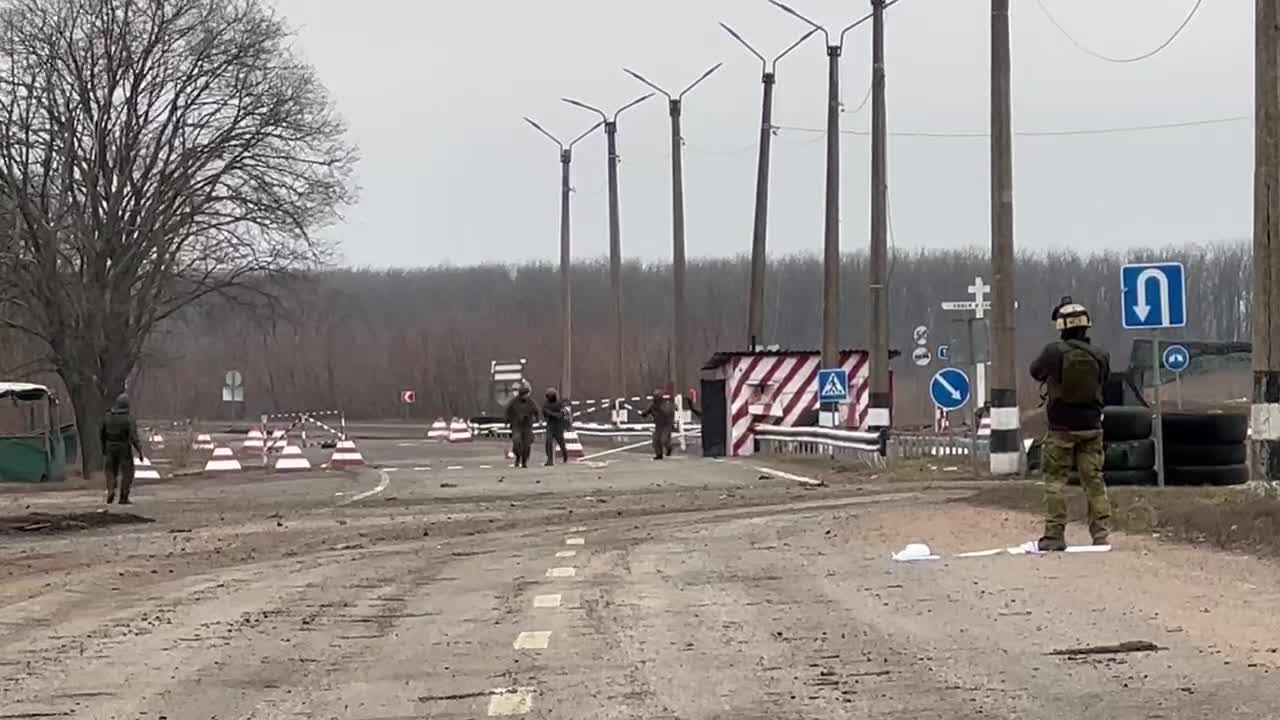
{"x": 833, "y": 386}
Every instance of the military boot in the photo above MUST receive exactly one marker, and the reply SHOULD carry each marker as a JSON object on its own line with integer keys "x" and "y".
{"x": 1048, "y": 544}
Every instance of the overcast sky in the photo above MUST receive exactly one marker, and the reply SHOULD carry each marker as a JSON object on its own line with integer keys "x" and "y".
{"x": 434, "y": 92}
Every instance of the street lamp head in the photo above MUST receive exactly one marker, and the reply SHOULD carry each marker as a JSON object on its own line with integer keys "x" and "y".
{"x": 746, "y": 44}
{"x": 704, "y": 76}
{"x": 631, "y": 104}
{"x": 642, "y": 79}
{"x": 584, "y": 106}
{"x": 543, "y": 130}
{"x": 792, "y": 12}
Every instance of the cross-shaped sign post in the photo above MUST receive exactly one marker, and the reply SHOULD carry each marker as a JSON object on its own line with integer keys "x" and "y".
{"x": 979, "y": 306}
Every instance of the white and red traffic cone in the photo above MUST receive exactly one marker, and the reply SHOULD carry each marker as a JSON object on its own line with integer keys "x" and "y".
{"x": 345, "y": 455}
{"x": 439, "y": 430}
{"x": 223, "y": 460}
{"x": 292, "y": 459}
{"x": 143, "y": 469}
{"x": 459, "y": 431}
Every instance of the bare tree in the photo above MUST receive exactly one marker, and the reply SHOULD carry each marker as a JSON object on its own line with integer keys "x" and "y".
{"x": 152, "y": 153}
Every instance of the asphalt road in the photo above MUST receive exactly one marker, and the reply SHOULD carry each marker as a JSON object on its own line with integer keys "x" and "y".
{"x": 445, "y": 584}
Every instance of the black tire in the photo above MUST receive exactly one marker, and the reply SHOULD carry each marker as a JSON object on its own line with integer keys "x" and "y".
{"x": 1129, "y": 477}
{"x": 1205, "y": 429}
{"x": 1205, "y": 455}
{"x": 1120, "y": 423}
{"x": 1129, "y": 455}
{"x": 1224, "y": 475}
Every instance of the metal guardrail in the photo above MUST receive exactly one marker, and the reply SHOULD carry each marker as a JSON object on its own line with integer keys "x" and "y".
{"x": 923, "y": 446}
{"x": 818, "y": 441}
{"x": 595, "y": 430}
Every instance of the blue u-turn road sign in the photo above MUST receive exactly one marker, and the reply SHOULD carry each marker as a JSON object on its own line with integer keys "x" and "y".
{"x": 950, "y": 389}
{"x": 1155, "y": 295}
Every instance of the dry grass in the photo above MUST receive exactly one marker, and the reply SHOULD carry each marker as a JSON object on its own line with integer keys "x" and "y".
{"x": 1229, "y": 518}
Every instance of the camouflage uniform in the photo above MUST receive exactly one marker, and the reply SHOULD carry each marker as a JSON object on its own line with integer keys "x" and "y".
{"x": 521, "y": 412}
{"x": 556, "y": 415}
{"x": 664, "y": 415}
{"x": 119, "y": 437}
{"x": 1074, "y": 439}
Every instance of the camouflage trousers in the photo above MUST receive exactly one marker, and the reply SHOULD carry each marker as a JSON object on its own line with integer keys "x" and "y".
{"x": 1083, "y": 450}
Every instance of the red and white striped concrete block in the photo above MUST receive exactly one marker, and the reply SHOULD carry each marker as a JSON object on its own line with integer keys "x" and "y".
{"x": 345, "y": 454}
{"x": 223, "y": 461}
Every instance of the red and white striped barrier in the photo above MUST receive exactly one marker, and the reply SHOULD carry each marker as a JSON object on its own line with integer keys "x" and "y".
{"x": 439, "y": 430}
{"x": 204, "y": 441}
{"x": 291, "y": 460}
{"x": 279, "y": 440}
{"x": 223, "y": 460}
{"x": 156, "y": 440}
{"x": 459, "y": 431}
{"x": 144, "y": 470}
{"x": 346, "y": 455}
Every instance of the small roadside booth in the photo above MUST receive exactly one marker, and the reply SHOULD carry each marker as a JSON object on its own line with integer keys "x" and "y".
{"x": 778, "y": 387}
{"x": 32, "y": 447}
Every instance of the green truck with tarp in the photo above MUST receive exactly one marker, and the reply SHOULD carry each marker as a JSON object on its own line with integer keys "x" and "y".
{"x": 34, "y": 444}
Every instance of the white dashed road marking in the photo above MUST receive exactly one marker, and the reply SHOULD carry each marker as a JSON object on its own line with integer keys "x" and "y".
{"x": 789, "y": 476}
{"x": 546, "y": 601}
{"x": 454, "y": 467}
{"x": 559, "y": 572}
{"x": 486, "y": 467}
{"x": 511, "y": 701}
{"x": 421, "y": 469}
{"x": 577, "y": 529}
{"x": 386, "y": 480}
{"x": 535, "y": 640}
{"x": 566, "y": 553}
{"x": 574, "y": 541}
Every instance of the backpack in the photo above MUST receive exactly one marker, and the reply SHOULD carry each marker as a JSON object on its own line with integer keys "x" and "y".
{"x": 1081, "y": 375}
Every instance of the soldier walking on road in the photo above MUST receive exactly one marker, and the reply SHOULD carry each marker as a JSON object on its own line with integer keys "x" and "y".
{"x": 664, "y": 416}
{"x": 521, "y": 412}
{"x": 556, "y": 415}
{"x": 1074, "y": 372}
{"x": 119, "y": 437}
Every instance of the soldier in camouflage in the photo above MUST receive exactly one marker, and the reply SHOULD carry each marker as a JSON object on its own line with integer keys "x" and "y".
{"x": 521, "y": 413}
{"x": 664, "y": 416}
{"x": 119, "y": 437}
{"x": 1074, "y": 372}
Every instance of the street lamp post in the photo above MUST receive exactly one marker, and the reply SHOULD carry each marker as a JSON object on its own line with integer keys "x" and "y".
{"x": 566, "y": 284}
{"x": 879, "y": 414}
{"x": 610, "y": 123}
{"x": 679, "y": 359}
{"x": 755, "y": 317}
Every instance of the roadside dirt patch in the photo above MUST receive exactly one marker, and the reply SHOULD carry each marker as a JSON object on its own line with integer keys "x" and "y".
{"x": 1227, "y": 518}
{"x": 66, "y": 522}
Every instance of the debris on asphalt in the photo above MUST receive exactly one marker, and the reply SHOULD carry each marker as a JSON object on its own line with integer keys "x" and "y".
{"x": 915, "y": 551}
{"x": 1129, "y": 646}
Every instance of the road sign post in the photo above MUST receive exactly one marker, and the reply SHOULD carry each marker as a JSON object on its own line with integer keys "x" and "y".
{"x": 1154, "y": 297}
{"x": 1176, "y": 359}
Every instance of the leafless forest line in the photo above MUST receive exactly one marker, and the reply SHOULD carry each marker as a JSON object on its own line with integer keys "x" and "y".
{"x": 353, "y": 339}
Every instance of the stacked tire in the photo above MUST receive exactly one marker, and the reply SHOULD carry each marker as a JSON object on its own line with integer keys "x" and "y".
{"x": 1129, "y": 450}
{"x": 1206, "y": 449}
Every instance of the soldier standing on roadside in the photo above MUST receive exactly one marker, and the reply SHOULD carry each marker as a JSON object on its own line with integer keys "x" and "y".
{"x": 119, "y": 437}
{"x": 521, "y": 412}
{"x": 1073, "y": 371}
{"x": 664, "y": 416}
{"x": 556, "y": 415}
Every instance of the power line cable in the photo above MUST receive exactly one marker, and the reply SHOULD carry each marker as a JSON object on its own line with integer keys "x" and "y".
{"x": 971, "y": 135}
{"x": 1089, "y": 51}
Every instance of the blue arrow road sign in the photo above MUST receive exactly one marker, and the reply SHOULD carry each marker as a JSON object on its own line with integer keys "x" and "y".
{"x": 833, "y": 386}
{"x": 950, "y": 389}
{"x": 1155, "y": 295}
{"x": 1176, "y": 358}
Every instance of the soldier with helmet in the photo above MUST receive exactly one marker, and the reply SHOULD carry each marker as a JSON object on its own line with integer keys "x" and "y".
{"x": 1073, "y": 371}
{"x": 521, "y": 413}
{"x": 663, "y": 413}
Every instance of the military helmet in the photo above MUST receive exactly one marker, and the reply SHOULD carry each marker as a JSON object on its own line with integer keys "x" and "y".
{"x": 1070, "y": 314}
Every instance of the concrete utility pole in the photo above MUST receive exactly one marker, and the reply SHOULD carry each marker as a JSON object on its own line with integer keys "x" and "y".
{"x": 615, "y": 234}
{"x": 831, "y": 226}
{"x": 1265, "y": 414}
{"x": 566, "y": 259}
{"x": 759, "y": 258}
{"x": 878, "y": 415}
{"x": 1006, "y": 445}
{"x": 679, "y": 354}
